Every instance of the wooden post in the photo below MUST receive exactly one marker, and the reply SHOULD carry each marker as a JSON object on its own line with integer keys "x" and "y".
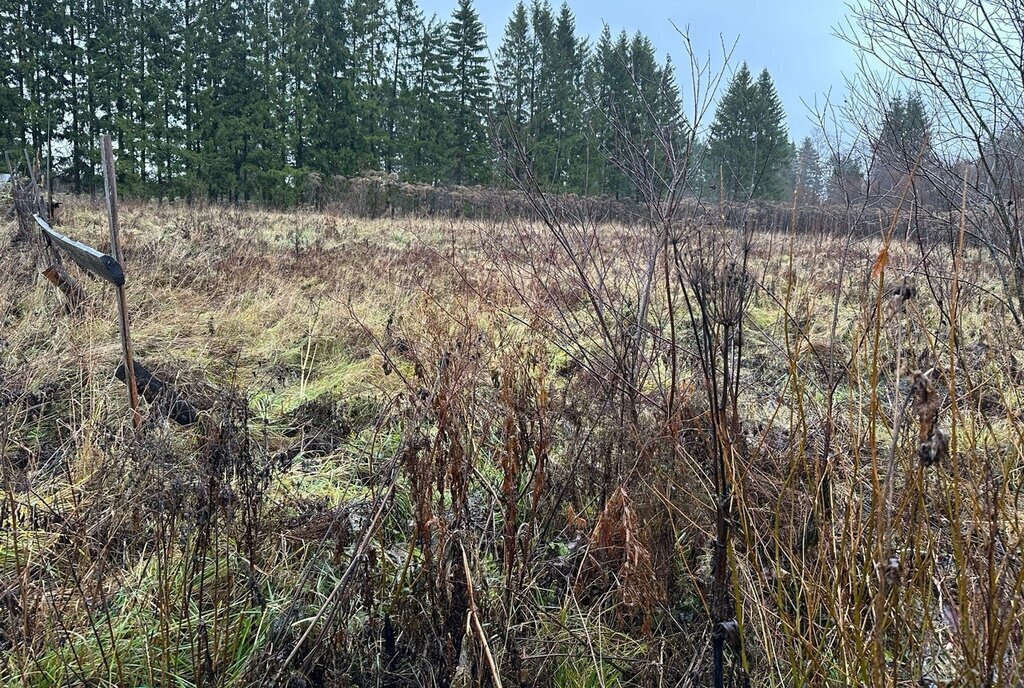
{"x": 49, "y": 179}
{"x": 35, "y": 186}
{"x": 54, "y": 256}
{"x": 110, "y": 187}
{"x": 72, "y": 290}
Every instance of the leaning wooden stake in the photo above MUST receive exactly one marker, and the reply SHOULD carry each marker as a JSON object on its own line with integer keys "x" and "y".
{"x": 69, "y": 286}
{"x": 110, "y": 187}
{"x": 40, "y": 207}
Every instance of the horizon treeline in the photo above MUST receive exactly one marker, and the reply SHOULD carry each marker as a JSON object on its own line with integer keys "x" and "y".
{"x": 243, "y": 100}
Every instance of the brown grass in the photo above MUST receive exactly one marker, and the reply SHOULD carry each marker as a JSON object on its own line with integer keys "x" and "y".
{"x": 416, "y": 464}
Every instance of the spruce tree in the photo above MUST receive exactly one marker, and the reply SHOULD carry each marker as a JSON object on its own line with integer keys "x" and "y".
{"x": 404, "y": 26}
{"x": 330, "y": 109}
{"x": 807, "y": 173}
{"x": 469, "y": 93}
{"x": 635, "y": 108}
{"x": 609, "y": 86}
{"x": 669, "y": 105}
{"x": 296, "y": 77}
{"x": 239, "y": 155}
{"x": 196, "y": 42}
{"x": 38, "y": 74}
{"x": 512, "y": 90}
{"x": 540, "y": 75}
{"x": 430, "y": 132}
{"x": 845, "y": 180}
{"x": 542, "y": 87}
{"x": 11, "y": 108}
{"x": 164, "y": 85}
{"x": 644, "y": 93}
{"x": 670, "y": 122}
{"x": 567, "y": 58}
{"x": 902, "y": 140}
{"x": 773, "y": 150}
{"x": 73, "y": 165}
{"x": 367, "y": 58}
{"x": 748, "y": 147}
{"x": 730, "y": 143}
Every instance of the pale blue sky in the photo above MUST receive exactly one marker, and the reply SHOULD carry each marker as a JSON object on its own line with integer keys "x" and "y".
{"x": 792, "y": 38}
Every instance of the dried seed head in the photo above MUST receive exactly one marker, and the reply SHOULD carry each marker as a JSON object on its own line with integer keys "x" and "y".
{"x": 933, "y": 444}
{"x": 926, "y": 404}
{"x": 935, "y": 449}
{"x": 891, "y": 570}
{"x": 901, "y": 294}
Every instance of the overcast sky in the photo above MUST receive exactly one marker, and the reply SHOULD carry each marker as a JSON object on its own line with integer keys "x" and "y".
{"x": 792, "y": 38}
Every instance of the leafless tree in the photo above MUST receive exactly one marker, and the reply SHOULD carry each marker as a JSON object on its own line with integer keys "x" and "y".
{"x": 966, "y": 58}
{"x": 679, "y": 275}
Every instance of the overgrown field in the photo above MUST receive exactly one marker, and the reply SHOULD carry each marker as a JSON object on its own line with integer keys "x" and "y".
{"x": 452, "y": 452}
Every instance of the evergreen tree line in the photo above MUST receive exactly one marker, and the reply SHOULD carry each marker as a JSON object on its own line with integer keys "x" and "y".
{"x": 246, "y": 99}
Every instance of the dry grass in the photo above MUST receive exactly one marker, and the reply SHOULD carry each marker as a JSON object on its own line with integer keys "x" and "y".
{"x": 399, "y": 429}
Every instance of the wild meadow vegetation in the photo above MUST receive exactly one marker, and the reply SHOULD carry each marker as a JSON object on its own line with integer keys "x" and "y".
{"x": 441, "y": 452}
{"x": 504, "y": 374}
